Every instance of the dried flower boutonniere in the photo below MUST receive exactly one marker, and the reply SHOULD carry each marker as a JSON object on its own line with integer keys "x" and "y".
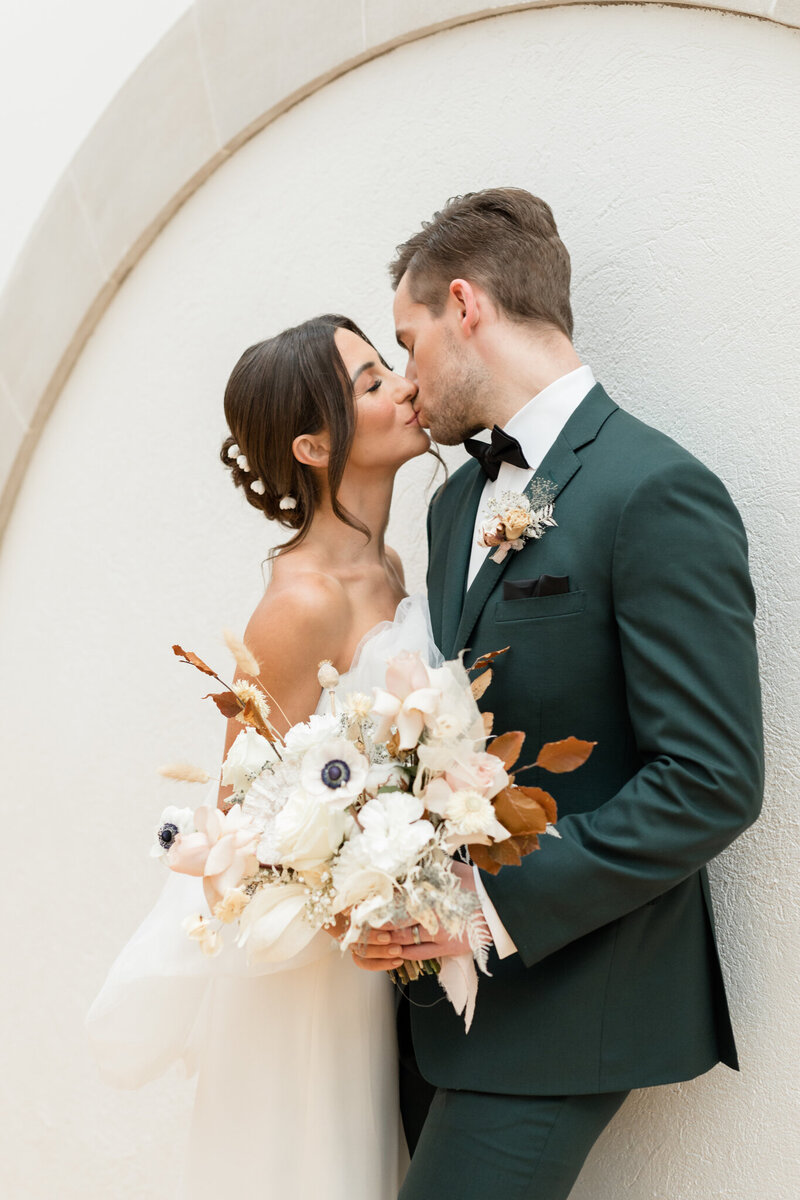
{"x": 514, "y": 518}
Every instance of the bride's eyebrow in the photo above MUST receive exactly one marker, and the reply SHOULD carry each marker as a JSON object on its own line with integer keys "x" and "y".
{"x": 364, "y": 367}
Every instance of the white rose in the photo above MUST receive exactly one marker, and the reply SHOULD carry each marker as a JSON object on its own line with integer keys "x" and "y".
{"x": 246, "y": 759}
{"x": 307, "y": 831}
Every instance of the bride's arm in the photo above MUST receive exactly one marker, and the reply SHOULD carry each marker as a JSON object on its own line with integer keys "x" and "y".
{"x": 290, "y": 632}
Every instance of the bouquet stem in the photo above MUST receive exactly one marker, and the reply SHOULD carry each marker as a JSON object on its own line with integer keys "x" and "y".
{"x": 411, "y": 970}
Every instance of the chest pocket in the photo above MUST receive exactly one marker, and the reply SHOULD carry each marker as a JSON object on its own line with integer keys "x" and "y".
{"x": 531, "y": 608}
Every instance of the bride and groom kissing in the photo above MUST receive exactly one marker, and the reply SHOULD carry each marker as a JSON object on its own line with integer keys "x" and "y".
{"x": 629, "y": 622}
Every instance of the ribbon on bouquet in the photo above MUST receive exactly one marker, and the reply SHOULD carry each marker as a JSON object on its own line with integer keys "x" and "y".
{"x": 459, "y": 979}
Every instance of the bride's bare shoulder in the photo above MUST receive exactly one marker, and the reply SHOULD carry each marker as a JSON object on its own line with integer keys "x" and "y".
{"x": 303, "y": 611}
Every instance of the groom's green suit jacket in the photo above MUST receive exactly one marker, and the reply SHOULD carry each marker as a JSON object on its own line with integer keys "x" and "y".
{"x": 650, "y": 653}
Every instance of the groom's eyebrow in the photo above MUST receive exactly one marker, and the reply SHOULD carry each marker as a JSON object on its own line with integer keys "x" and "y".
{"x": 364, "y": 367}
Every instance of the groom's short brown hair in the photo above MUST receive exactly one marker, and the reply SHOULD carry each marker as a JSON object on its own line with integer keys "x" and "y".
{"x": 504, "y": 239}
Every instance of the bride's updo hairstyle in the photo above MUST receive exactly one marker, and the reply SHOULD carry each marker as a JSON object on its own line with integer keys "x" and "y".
{"x": 292, "y": 384}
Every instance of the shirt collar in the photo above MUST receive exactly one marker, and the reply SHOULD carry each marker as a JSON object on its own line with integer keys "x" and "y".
{"x": 541, "y": 420}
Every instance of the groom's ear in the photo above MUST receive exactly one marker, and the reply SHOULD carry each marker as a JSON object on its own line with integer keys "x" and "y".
{"x": 467, "y": 302}
{"x": 312, "y": 449}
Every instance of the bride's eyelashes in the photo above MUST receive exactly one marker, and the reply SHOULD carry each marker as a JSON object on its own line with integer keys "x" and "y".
{"x": 378, "y": 382}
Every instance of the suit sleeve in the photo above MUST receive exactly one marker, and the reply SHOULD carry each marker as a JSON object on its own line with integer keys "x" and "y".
{"x": 684, "y": 610}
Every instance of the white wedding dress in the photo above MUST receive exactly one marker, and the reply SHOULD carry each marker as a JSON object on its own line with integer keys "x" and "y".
{"x": 297, "y": 1064}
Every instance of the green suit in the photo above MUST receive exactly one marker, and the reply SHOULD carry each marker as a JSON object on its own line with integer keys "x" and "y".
{"x": 650, "y": 653}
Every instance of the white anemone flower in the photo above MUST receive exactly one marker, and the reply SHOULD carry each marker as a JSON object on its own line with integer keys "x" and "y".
{"x": 334, "y": 771}
{"x": 174, "y": 823}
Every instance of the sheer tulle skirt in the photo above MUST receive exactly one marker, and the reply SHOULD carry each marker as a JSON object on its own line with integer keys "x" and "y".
{"x": 297, "y": 1062}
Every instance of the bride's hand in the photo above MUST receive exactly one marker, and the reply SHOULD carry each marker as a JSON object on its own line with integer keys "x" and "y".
{"x": 380, "y": 950}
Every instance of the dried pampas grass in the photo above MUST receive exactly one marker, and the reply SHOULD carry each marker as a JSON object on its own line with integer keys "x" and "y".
{"x": 246, "y": 661}
{"x": 186, "y": 772}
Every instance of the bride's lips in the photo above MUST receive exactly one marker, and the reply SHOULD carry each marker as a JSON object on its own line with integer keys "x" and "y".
{"x": 413, "y": 420}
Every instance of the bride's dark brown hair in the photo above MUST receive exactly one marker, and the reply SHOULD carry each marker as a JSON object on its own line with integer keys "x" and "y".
{"x": 292, "y": 384}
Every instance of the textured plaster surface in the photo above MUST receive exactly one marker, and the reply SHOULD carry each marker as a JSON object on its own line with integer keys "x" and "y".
{"x": 222, "y": 72}
{"x": 674, "y": 184}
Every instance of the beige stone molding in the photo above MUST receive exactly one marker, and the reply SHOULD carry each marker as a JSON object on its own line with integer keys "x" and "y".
{"x": 223, "y": 72}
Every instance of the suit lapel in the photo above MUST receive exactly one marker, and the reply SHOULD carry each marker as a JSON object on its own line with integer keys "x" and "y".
{"x": 458, "y": 553}
{"x": 560, "y": 465}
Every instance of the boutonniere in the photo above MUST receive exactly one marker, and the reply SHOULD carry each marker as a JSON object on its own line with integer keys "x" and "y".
{"x": 514, "y": 518}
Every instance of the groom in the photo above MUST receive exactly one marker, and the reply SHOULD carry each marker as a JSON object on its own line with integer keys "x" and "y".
{"x": 630, "y": 623}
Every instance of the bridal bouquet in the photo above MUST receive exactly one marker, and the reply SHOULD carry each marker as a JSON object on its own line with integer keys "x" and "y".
{"x": 357, "y": 814}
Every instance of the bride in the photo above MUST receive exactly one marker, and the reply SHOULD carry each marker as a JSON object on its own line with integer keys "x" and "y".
{"x": 297, "y": 1068}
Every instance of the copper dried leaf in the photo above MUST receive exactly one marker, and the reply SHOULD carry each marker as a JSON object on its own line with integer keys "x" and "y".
{"x": 479, "y": 685}
{"x": 250, "y": 714}
{"x": 226, "y": 702}
{"x": 488, "y": 722}
{"x": 393, "y": 744}
{"x": 544, "y": 800}
{"x": 507, "y": 747}
{"x": 485, "y": 659}
{"x": 519, "y": 811}
{"x": 505, "y": 853}
{"x": 526, "y": 845}
{"x": 194, "y": 661}
{"x": 482, "y": 859}
{"x": 559, "y": 757}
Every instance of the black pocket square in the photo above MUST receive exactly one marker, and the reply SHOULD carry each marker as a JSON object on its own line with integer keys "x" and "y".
{"x": 545, "y": 585}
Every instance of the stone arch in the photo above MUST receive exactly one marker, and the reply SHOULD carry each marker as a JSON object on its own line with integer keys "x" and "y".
{"x": 219, "y": 76}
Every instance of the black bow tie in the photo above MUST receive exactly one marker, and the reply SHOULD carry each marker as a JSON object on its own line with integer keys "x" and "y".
{"x": 502, "y": 448}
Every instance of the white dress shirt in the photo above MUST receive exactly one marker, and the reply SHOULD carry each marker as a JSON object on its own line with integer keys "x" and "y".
{"x": 536, "y": 427}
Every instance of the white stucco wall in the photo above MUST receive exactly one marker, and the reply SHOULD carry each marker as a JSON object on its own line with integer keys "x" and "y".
{"x": 665, "y": 140}
{"x": 61, "y": 61}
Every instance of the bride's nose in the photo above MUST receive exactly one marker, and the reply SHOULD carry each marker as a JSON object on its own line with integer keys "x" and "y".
{"x": 406, "y": 390}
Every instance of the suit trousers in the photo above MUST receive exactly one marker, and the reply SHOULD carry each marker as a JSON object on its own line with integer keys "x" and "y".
{"x": 480, "y": 1146}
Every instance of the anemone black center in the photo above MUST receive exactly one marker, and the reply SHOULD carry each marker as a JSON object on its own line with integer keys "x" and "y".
{"x": 335, "y": 773}
{"x": 167, "y": 834}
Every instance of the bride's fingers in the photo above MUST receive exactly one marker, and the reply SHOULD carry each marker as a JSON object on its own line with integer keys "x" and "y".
{"x": 376, "y": 964}
{"x": 370, "y": 951}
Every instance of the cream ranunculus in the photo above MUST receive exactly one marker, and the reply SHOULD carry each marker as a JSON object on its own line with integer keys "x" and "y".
{"x": 246, "y": 759}
{"x": 478, "y": 771}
